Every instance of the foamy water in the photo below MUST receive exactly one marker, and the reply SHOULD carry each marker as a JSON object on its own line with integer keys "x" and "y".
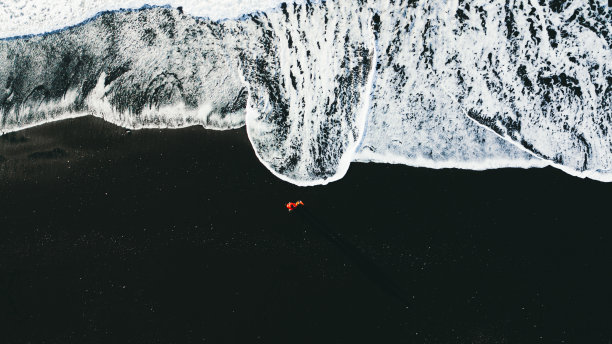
{"x": 438, "y": 84}
{"x": 29, "y": 17}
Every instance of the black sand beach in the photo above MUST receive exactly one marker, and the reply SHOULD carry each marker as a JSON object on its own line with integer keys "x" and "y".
{"x": 181, "y": 236}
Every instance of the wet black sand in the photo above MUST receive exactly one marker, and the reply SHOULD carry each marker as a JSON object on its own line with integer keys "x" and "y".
{"x": 181, "y": 236}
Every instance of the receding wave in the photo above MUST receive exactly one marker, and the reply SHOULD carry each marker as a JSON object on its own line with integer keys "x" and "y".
{"x": 475, "y": 84}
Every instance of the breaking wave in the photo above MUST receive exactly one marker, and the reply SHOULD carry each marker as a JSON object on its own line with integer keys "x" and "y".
{"x": 457, "y": 84}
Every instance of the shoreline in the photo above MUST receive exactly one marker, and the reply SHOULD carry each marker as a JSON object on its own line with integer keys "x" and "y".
{"x": 361, "y": 158}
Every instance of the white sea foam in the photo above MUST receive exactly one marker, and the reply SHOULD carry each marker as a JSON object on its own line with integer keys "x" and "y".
{"x": 308, "y": 131}
{"x": 172, "y": 116}
{"x": 46, "y": 111}
{"x": 27, "y": 17}
{"x": 437, "y": 84}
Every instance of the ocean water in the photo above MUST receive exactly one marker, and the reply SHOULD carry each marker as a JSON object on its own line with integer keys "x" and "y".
{"x": 440, "y": 84}
{"x": 23, "y": 17}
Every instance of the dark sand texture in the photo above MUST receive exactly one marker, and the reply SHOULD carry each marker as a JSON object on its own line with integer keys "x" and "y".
{"x": 181, "y": 236}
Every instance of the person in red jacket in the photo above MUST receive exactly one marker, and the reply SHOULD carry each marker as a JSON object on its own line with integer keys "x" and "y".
{"x": 291, "y": 205}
